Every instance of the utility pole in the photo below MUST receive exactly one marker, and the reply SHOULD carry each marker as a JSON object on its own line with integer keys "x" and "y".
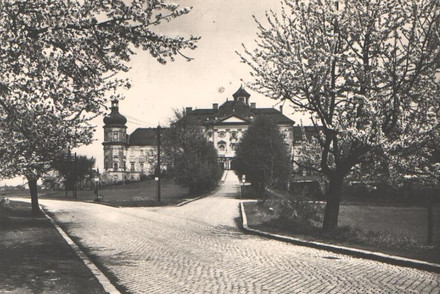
{"x": 158, "y": 169}
{"x": 430, "y": 220}
{"x": 75, "y": 177}
{"x": 66, "y": 185}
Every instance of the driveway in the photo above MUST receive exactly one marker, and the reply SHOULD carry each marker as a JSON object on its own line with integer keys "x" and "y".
{"x": 197, "y": 248}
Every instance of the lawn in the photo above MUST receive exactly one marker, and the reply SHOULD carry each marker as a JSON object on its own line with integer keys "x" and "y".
{"x": 392, "y": 230}
{"x": 133, "y": 194}
{"x": 409, "y": 222}
{"x": 35, "y": 259}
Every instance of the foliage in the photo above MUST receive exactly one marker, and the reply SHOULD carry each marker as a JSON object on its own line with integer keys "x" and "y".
{"x": 297, "y": 210}
{"x": 365, "y": 73}
{"x": 73, "y": 168}
{"x": 59, "y": 62}
{"x": 262, "y": 155}
{"x": 193, "y": 158}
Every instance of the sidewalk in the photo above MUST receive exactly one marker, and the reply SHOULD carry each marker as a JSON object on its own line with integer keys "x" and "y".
{"x": 34, "y": 258}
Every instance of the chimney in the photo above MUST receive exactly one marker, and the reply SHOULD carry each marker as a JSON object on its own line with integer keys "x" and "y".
{"x": 253, "y": 105}
{"x": 215, "y": 106}
{"x": 281, "y": 108}
{"x": 188, "y": 110}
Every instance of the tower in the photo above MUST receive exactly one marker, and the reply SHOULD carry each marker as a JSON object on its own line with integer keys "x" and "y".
{"x": 115, "y": 143}
{"x": 241, "y": 95}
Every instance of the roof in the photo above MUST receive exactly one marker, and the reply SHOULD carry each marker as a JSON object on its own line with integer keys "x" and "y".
{"x": 143, "y": 136}
{"x": 241, "y": 93}
{"x": 201, "y": 116}
{"x": 227, "y": 120}
{"x": 276, "y": 116}
{"x": 237, "y": 107}
{"x": 308, "y": 130}
{"x": 115, "y": 118}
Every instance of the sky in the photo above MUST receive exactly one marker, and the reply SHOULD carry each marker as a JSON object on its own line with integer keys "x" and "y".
{"x": 223, "y": 25}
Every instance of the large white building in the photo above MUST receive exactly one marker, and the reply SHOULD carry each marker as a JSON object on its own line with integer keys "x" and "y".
{"x": 224, "y": 125}
{"x": 129, "y": 156}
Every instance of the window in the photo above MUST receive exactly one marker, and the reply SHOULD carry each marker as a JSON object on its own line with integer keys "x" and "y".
{"x": 115, "y": 166}
{"x": 132, "y": 166}
{"x": 234, "y": 135}
{"x": 115, "y": 135}
{"x": 221, "y": 134}
{"x": 221, "y": 145}
{"x": 142, "y": 167}
{"x": 233, "y": 146}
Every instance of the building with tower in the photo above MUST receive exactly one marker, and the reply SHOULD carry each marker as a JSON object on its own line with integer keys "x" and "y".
{"x": 224, "y": 125}
{"x": 129, "y": 156}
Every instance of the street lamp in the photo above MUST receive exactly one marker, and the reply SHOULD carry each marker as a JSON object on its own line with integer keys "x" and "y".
{"x": 243, "y": 180}
{"x": 158, "y": 170}
{"x": 96, "y": 179}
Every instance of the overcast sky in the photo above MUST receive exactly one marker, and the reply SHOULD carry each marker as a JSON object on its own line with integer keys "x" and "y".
{"x": 158, "y": 89}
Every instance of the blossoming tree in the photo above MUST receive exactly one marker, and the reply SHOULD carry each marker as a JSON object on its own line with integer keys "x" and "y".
{"x": 365, "y": 71}
{"x": 59, "y": 62}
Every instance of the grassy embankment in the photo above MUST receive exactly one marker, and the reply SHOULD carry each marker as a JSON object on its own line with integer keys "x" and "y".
{"x": 397, "y": 230}
{"x": 132, "y": 194}
{"x": 35, "y": 259}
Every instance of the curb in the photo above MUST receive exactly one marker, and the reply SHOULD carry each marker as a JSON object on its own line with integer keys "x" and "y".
{"x": 204, "y": 195}
{"x": 391, "y": 259}
{"x": 189, "y": 201}
{"x": 102, "y": 203}
{"x": 198, "y": 198}
{"x": 102, "y": 279}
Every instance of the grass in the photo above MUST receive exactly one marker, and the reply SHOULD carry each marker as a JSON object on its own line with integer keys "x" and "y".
{"x": 34, "y": 257}
{"x": 392, "y": 230}
{"x": 132, "y": 194}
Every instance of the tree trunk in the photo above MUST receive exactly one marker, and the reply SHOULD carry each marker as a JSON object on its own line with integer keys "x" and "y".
{"x": 430, "y": 220}
{"x": 32, "y": 182}
{"x": 333, "y": 200}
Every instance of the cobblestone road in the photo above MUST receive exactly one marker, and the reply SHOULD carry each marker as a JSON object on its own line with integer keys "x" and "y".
{"x": 197, "y": 248}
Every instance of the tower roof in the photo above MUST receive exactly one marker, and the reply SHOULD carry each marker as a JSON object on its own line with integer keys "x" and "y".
{"x": 241, "y": 93}
{"x": 115, "y": 118}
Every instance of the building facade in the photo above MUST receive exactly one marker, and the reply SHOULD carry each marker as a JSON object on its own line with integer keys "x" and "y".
{"x": 224, "y": 125}
{"x": 129, "y": 156}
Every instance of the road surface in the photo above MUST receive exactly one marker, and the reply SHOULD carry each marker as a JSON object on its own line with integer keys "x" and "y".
{"x": 197, "y": 248}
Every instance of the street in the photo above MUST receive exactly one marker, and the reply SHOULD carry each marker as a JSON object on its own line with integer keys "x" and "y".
{"x": 198, "y": 248}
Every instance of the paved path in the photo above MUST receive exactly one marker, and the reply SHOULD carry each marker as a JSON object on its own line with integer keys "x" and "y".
{"x": 197, "y": 248}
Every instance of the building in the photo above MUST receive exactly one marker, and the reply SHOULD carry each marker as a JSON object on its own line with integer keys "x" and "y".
{"x": 129, "y": 156}
{"x": 224, "y": 125}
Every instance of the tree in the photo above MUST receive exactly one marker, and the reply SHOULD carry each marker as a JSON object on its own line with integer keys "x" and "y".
{"x": 262, "y": 155}
{"x": 73, "y": 168}
{"x": 422, "y": 169}
{"x": 59, "y": 62}
{"x": 193, "y": 159}
{"x": 364, "y": 71}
